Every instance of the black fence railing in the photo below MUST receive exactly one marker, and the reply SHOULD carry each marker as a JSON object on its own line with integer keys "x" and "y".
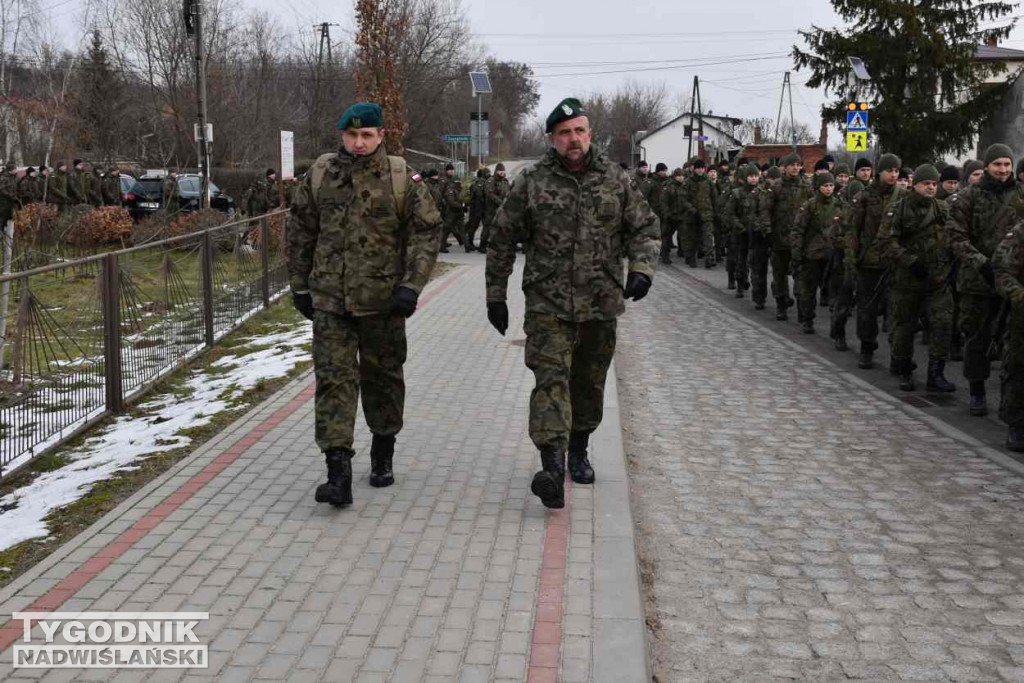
{"x": 84, "y": 338}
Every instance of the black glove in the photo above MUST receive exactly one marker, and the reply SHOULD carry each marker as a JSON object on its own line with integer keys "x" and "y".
{"x": 637, "y": 286}
{"x": 919, "y": 270}
{"x": 303, "y": 304}
{"x": 497, "y": 314}
{"x": 404, "y": 301}
{"x": 988, "y": 274}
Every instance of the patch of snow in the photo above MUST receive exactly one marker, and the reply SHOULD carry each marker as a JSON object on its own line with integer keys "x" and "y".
{"x": 128, "y": 439}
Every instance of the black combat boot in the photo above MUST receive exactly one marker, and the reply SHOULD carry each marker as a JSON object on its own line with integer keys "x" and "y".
{"x": 549, "y": 483}
{"x": 1015, "y": 438}
{"x": 338, "y": 489}
{"x": 867, "y": 360}
{"x": 579, "y": 465}
{"x": 807, "y": 326}
{"x": 382, "y": 450}
{"x": 937, "y": 377}
{"x": 906, "y": 373}
{"x": 758, "y": 305}
{"x": 780, "y": 308}
{"x": 979, "y": 406}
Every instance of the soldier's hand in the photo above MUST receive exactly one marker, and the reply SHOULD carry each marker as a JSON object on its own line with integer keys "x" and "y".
{"x": 637, "y": 286}
{"x": 303, "y": 302}
{"x": 918, "y": 270}
{"x": 404, "y": 301}
{"x": 497, "y": 314}
{"x": 988, "y": 274}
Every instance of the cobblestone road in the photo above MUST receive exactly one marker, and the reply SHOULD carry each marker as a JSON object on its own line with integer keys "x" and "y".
{"x": 797, "y": 523}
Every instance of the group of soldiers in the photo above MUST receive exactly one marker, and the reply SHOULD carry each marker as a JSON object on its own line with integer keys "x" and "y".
{"x": 486, "y": 194}
{"x": 82, "y": 184}
{"x": 264, "y": 194}
{"x": 929, "y": 250}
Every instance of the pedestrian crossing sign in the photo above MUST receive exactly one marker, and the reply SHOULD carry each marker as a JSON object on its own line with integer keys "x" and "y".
{"x": 856, "y": 121}
{"x": 856, "y": 141}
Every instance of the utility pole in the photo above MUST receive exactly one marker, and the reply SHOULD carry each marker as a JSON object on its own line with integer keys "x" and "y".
{"x": 324, "y": 29}
{"x": 695, "y": 101}
{"x": 786, "y": 85}
{"x": 194, "y": 27}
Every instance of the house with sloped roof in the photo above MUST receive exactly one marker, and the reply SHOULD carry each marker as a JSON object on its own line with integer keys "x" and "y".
{"x": 669, "y": 143}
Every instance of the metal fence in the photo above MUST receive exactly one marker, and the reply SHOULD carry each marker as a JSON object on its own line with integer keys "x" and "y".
{"x": 86, "y": 337}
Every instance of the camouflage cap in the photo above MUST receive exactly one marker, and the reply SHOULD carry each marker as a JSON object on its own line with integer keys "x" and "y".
{"x": 841, "y": 169}
{"x": 823, "y": 178}
{"x": 998, "y": 151}
{"x": 362, "y": 115}
{"x": 889, "y": 162}
{"x": 774, "y": 172}
{"x": 677, "y": 172}
{"x": 971, "y": 166}
{"x": 569, "y": 108}
{"x": 925, "y": 172}
{"x": 790, "y": 159}
{"x": 751, "y": 169}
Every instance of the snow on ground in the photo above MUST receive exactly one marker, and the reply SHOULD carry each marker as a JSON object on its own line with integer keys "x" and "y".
{"x": 128, "y": 439}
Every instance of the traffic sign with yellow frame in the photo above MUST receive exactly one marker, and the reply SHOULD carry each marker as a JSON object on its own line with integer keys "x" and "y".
{"x": 857, "y": 141}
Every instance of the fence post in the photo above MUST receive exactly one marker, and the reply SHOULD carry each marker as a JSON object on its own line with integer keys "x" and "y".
{"x": 5, "y": 288}
{"x": 265, "y": 259}
{"x": 112, "y": 333}
{"x": 207, "y": 264}
{"x": 21, "y": 333}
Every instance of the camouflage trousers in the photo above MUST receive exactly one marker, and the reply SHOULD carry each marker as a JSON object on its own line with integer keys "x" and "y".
{"x": 452, "y": 226}
{"x": 736, "y": 259}
{"x": 871, "y": 300}
{"x": 907, "y": 307}
{"x": 807, "y": 280}
{"x": 760, "y": 254}
{"x": 352, "y": 354}
{"x": 978, "y": 314}
{"x": 1011, "y": 402}
{"x": 570, "y": 363}
{"x": 842, "y": 296}
{"x": 475, "y": 218}
{"x": 780, "y": 273}
{"x": 485, "y": 235}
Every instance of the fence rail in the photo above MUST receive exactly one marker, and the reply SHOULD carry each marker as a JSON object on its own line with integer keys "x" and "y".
{"x": 87, "y": 337}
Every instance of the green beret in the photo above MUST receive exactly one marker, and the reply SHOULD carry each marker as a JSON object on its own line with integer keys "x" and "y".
{"x": 774, "y": 172}
{"x": 925, "y": 172}
{"x": 823, "y": 178}
{"x": 842, "y": 169}
{"x": 569, "y": 108}
{"x": 889, "y": 162}
{"x": 790, "y": 159}
{"x": 362, "y": 115}
{"x": 998, "y": 151}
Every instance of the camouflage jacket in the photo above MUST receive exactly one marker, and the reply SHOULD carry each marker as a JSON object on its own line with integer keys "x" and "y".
{"x": 698, "y": 193}
{"x": 477, "y": 194}
{"x": 170, "y": 193}
{"x": 9, "y": 201}
{"x": 347, "y": 243}
{"x": 78, "y": 187}
{"x": 496, "y": 191}
{"x": 30, "y": 190}
{"x": 451, "y": 200}
{"x": 979, "y": 216}
{"x": 675, "y": 209}
{"x": 434, "y": 186}
{"x": 808, "y": 240}
{"x": 740, "y": 211}
{"x": 576, "y": 228}
{"x": 914, "y": 229}
{"x": 658, "y": 187}
{"x": 96, "y": 189}
{"x": 261, "y": 197}
{"x": 863, "y": 248}
{"x": 778, "y": 209}
{"x": 111, "y": 189}
{"x": 57, "y": 189}
{"x": 641, "y": 182}
{"x": 1008, "y": 262}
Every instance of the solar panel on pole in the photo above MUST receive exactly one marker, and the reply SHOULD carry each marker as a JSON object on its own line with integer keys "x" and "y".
{"x": 481, "y": 83}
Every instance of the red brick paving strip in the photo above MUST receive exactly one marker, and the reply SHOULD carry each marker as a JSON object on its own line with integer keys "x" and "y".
{"x": 546, "y": 644}
{"x": 66, "y": 589}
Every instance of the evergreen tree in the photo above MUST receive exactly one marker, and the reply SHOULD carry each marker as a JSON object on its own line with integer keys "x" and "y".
{"x": 98, "y": 99}
{"x": 927, "y": 91}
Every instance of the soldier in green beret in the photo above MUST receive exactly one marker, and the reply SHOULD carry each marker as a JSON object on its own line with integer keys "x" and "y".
{"x": 361, "y": 244}
{"x": 577, "y": 217}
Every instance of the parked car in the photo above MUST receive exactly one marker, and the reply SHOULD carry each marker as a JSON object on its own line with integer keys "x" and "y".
{"x": 145, "y": 196}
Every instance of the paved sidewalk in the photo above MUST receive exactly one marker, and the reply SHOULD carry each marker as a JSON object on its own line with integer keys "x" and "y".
{"x": 456, "y": 573}
{"x": 798, "y": 523}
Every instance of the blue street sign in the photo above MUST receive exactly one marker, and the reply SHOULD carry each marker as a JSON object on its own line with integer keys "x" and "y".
{"x": 856, "y": 120}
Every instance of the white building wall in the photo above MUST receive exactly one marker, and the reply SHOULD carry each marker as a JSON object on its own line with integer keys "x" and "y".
{"x": 668, "y": 145}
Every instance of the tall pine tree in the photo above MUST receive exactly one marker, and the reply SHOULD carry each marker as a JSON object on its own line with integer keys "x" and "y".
{"x": 927, "y": 89}
{"x": 98, "y": 98}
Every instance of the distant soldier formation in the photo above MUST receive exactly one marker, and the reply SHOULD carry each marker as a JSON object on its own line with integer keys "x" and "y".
{"x": 929, "y": 251}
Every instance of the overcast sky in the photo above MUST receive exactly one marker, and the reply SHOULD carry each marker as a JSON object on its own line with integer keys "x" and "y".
{"x": 599, "y": 45}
